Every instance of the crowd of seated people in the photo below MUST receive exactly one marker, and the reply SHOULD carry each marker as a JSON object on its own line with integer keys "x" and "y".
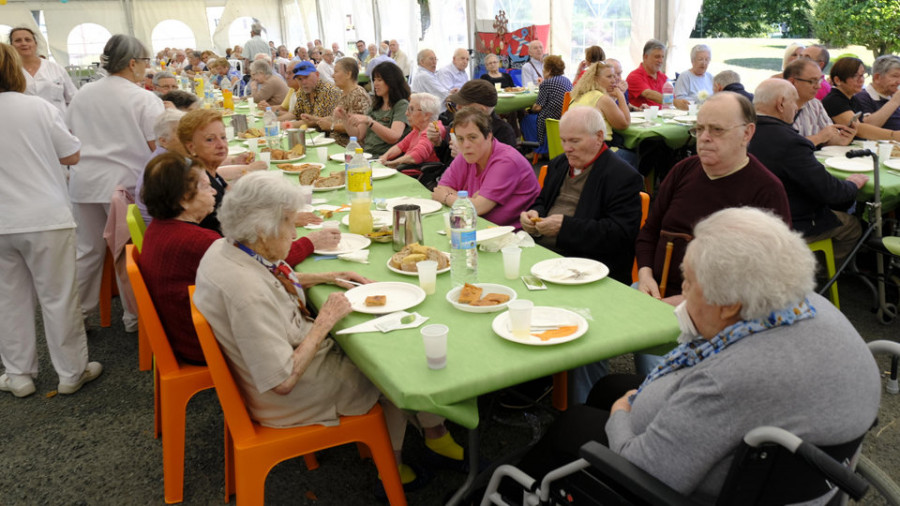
{"x": 753, "y": 150}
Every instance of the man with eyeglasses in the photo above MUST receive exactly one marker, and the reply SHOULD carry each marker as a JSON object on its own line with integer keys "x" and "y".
{"x": 812, "y": 192}
{"x": 721, "y": 175}
{"x": 880, "y": 100}
{"x": 812, "y": 120}
{"x": 818, "y": 54}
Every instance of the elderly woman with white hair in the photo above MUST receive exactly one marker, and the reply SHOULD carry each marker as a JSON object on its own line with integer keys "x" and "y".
{"x": 696, "y": 83}
{"x": 265, "y": 85}
{"x": 166, "y": 130}
{"x": 415, "y": 148}
{"x": 757, "y": 347}
{"x": 288, "y": 369}
{"x": 114, "y": 120}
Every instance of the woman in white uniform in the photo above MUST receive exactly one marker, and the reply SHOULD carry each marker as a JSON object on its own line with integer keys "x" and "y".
{"x": 37, "y": 239}
{"x": 114, "y": 119}
{"x": 44, "y": 78}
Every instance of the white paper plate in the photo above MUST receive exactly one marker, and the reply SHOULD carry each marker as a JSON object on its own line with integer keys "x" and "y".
{"x": 671, "y": 113}
{"x": 637, "y": 115}
{"x": 349, "y": 243}
{"x": 321, "y": 140}
{"x": 556, "y": 270}
{"x": 329, "y": 188}
{"x": 290, "y": 160}
{"x": 236, "y": 150}
{"x": 453, "y": 298}
{"x": 382, "y": 172}
{"x": 405, "y": 273}
{"x": 319, "y": 165}
{"x": 379, "y": 219}
{"x": 339, "y": 157}
{"x": 506, "y": 95}
{"x": 491, "y": 233}
{"x": 542, "y": 315}
{"x": 835, "y": 150}
{"x": 400, "y": 296}
{"x": 893, "y": 163}
{"x": 850, "y": 164}
{"x": 690, "y": 119}
{"x": 427, "y": 206}
{"x": 260, "y": 141}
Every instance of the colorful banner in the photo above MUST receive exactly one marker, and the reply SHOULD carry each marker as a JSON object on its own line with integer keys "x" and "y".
{"x": 512, "y": 48}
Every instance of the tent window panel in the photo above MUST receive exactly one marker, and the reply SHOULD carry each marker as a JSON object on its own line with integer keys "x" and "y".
{"x": 604, "y": 23}
{"x": 172, "y": 33}
{"x": 86, "y": 42}
{"x": 239, "y": 31}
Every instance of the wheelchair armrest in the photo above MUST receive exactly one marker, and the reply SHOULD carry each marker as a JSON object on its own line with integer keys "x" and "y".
{"x": 610, "y": 465}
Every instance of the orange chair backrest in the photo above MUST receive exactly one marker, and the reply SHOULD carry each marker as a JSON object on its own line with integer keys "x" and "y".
{"x": 159, "y": 343}
{"x": 567, "y": 99}
{"x": 542, "y": 175}
{"x": 645, "y": 207}
{"x": 236, "y": 415}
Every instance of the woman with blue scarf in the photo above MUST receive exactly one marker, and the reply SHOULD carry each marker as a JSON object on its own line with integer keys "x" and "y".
{"x": 757, "y": 347}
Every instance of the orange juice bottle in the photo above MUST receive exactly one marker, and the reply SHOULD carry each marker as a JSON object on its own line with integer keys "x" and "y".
{"x": 227, "y": 99}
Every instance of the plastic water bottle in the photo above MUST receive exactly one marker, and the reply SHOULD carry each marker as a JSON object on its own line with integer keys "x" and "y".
{"x": 271, "y": 125}
{"x": 349, "y": 153}
{"x": 668, "y": 93}
{"x": 359, "y": 189}
{"x": 463, "y": 253}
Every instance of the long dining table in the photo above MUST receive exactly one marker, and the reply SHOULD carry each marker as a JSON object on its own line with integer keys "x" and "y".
{"x": 620, "y": 320}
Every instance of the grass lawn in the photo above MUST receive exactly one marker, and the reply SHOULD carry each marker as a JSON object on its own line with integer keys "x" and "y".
{"x": 758, "y": 59}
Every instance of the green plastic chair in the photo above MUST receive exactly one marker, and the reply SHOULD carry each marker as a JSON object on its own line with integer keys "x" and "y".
{"x": 554, "y": 143}
{"x": 136, "y": 226}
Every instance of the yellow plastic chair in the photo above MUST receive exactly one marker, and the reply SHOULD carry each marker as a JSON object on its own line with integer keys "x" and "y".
{"x": 254, "y": 449}
{"x": 554, "y": 143}
{"x": 136, "y": 226}
{"x": 827, "y": 249}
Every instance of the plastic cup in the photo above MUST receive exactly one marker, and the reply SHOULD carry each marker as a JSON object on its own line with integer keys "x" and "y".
{"x": 884, "y": 151}
{"x": 520, "y": 317}
{"x": 447, "y": 224}
{"x": 265, "y": 156}
{"x": 229, "y": 133}
{"x": 435, "y": 338}
{"x": 871, "y": 146}
{"x": 306, "y": 192}
{"x": 651, "y": 113}
{"x": 427, "y": 275}
{"x": 322, "y": 153}
{"x": 498, "y": 87}
{"x": 692, "y": 109}
{"x": 331, "y": 224}
{"x": 512, "y": 256}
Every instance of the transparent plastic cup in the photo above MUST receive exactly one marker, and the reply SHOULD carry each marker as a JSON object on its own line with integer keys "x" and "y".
{"x": 435, "y": 339}
{"x": 427, "y": 275}
{"x": 520, "y": 317}
{"x": 512, "y": 257}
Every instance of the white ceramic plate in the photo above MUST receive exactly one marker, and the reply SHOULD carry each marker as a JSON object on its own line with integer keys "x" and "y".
{"x": 319, "y": 141}
{"x": 405, "y": 273}
{"x": 382, "y": 172}
{"x": 339, "y": 157}
{"x": 453, "y": 298}
{"x": 319, "y": 165}
{"x": 850, "y": 164}
{"x": 893, "y": 163}
{"x": 835, "y": 150}
{"x": 400, "y": 296}
{"x": 542, "y": 315}
{"x": 491, "y": 233}
{"x": 349, "y": 243}
{"x": 236, "y": 150}
{"x": 379, "y": 219}
{"x": 557, "y": 270}
{"x": 427, "y": 206}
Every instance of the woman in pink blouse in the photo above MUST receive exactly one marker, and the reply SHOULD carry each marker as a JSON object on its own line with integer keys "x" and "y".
{"x": 415, "y": 147}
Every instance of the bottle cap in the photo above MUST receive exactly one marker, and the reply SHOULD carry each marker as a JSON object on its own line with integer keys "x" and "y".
{"x": 463, "y": 194}
{"x": 352, "y": 139}
{"x": 359, "y": 150}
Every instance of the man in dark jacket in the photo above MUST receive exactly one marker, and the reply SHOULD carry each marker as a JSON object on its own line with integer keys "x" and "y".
{"x": 812, "y": 192}
{"x": 590, "y": 204}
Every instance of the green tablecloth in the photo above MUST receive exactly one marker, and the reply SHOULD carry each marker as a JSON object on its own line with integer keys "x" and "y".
{"x": 515, "y": 103}
{"x": 621, "y": 320}
{"x": 675, "y": 135}
{"x": 889, "y": 180}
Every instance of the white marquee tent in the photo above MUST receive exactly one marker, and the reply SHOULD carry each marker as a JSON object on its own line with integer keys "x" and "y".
{"x": 75, "y": 30}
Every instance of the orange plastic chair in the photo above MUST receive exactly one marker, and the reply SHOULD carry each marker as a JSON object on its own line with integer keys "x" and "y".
{"x": 108, "y": 289}
{"x": 567, "y": 99}
{"x": 257, "y": 449}
{"x": 136, "y": 228}
{"x": 645, "y": 208}
{"x": 542, "y": 174}
{"x": 176, "y": 384}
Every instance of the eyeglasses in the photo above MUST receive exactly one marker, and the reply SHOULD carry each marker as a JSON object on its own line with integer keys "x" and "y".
{"x": 862, "y": 75}
{"x": 714, "y": 131}
{"x": 812, "y": 82}
{"x": 145, "y": 60}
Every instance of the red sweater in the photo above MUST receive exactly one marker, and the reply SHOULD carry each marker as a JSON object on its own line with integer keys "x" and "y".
{"x": 171, "y": 253}
{"x": 687, "y": 195}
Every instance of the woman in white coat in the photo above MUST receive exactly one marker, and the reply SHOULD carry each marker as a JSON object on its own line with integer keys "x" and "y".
{"x": 43, "y": 78}
{"x": 37, "y": 239}
{"x": 114, "y": 119}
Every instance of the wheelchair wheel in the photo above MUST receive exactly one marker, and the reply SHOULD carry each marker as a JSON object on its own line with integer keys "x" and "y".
{"x": 883, "y": 483}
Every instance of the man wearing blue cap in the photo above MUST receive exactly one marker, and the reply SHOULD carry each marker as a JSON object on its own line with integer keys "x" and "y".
{"x": 315, "y": 98}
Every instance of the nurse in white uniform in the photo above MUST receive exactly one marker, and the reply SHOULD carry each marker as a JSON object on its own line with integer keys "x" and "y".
{"x": 44, "y": 78}
{"x": 37, "y": 240}
{"x": 114, "y": 119}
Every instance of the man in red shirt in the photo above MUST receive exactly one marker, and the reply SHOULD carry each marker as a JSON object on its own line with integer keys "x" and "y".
{"x": 645, "y": 83}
